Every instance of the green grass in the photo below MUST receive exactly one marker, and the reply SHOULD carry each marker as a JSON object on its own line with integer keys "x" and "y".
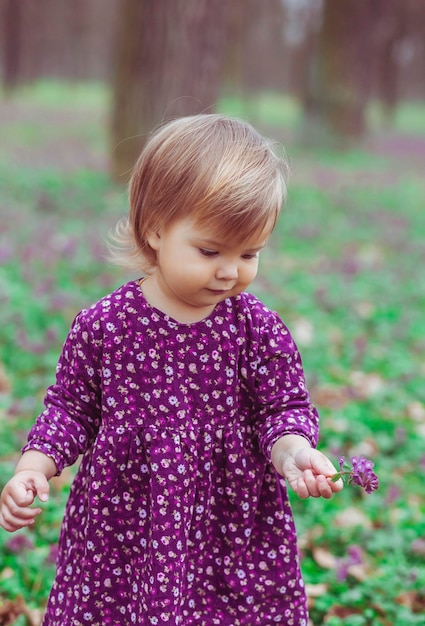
{"x": 409, "y": 117}
{"x": 267, "y": 108}
{"x": 276, "y": 110}
{"x": 54, "y": 94}
{"x": 344, "y": 269}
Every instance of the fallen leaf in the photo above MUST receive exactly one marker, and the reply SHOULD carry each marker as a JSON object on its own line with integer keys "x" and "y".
{"x": 330, "y": 396}
{"x": 352, "y": 516}
{"x": 5, "y": 385}
{"x": 303, "y": 331}
{"x": 414, "y": 600}
{"x": 342, "y": 612}
{"x": 416, "y": 411}
{"x": 317, "y": 590}
{"x": 307, "y": 538}
{"x": 10, "y": 610}
{"x": 324, "y": 558}
{"x": 359, "y": 571}
{"x": 366, "y": 384}
{"x": 367, "y": 447}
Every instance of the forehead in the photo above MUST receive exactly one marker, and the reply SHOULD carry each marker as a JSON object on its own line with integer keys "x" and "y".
{"x": 248, "y": 234}
{"x": 213, "y": 235}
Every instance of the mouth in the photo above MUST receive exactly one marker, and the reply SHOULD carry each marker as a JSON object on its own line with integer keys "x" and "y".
{"x": 218, "y": 292}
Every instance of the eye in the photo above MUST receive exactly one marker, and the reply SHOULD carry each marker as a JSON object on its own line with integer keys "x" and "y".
{"x": 248, "y": 257}
{"x": 206, "y": 252}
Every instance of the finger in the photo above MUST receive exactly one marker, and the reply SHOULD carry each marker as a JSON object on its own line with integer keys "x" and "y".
{"x": 12, "y": 509}
{"x": 301, "y": 489}
{"x": 298, "y": 485}
{"x": 336, "y": 485}
{"x": 21, "y": 493}
{"x": 11, "y": 522}
{"x": 12, "y": 526}
{"x": 24, "y": 492}
{"x": 312, "y": 484}
{"x": 41, "y": 487}
{"x": 322, "y": 465}
{"x": 6, "y": 525}
{"x": 325, "y": 487}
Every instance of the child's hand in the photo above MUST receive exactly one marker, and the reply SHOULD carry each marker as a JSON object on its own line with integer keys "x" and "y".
{"x": 17, "y": 496}
{"x": 309, "y": 472}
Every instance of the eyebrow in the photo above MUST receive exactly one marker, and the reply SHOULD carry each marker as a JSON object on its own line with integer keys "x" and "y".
{"x": 217, "y": 244}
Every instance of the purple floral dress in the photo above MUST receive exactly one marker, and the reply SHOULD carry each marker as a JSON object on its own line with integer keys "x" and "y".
{"x": 176, "y": 515}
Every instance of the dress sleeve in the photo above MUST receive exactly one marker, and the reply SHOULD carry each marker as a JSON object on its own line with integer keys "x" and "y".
{"x": 70, "y": 421}
{"x": 283, "y": 402}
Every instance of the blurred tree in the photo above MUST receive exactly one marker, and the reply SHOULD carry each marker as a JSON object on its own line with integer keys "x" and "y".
{"x": 255, "y": 54}
{"x": 390, "y": 31}
{"x": 409, "y": 51}
{"x": 167, "y": 64}
{"x": 11, "y": 21}
{"x": 56, "y": 38}
{"x": 301, "y": 25}
{"x": 339, "y": 84}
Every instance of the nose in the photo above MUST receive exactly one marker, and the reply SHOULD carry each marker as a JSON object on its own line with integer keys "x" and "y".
{"x": 227, "y": 271}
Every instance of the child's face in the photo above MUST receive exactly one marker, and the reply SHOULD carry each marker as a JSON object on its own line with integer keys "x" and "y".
{"x": 196, "y": 270}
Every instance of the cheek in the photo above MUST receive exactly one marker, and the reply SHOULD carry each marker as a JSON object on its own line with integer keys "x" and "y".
{"x": 248, "y": 273}
{"x": 188, "y": 271}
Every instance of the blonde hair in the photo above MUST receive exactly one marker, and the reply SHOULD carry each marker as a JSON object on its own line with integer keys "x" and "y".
{"x": 212, "y": 168}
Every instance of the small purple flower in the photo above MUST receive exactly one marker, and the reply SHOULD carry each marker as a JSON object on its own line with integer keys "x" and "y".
{"x": 392, "y": 495}
{"x": 354, "y": 556}
{"x": 53, "y": 554}
{"x": 19, "y": 543}
{"x": 360, "y": 473}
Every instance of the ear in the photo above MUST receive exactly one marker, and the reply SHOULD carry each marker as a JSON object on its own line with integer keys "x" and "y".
{"x": 154, "y": 240}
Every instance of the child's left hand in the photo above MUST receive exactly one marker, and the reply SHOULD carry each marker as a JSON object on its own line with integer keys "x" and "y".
{"x": 309, "y": 473}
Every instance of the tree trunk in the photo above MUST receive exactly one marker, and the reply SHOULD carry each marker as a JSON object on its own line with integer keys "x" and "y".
{"x": 11, "y": 35}
{"x": 168, "y": 60}
{"x": 391, "y": 33}
{"x": 339, "y": 82}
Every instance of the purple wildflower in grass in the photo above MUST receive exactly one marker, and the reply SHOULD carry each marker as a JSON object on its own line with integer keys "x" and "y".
{"x": 393, "y": 494}
{"x": 355, "y": 553}
{"x": 418, "y": 546}
{"x": 360, "y": 473}
{"x": 53, "y": 554}
{"x": 19, "y": 543}
{"x": 354, "y": 556}
{"x": 6, "y": 253}
{"x": 342, "y": 568}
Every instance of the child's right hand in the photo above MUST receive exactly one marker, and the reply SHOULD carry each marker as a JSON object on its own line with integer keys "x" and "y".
{"x": 18, "y": 495}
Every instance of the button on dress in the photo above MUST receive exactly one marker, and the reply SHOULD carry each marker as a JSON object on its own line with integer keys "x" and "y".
{"x": 176, "y": 515}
